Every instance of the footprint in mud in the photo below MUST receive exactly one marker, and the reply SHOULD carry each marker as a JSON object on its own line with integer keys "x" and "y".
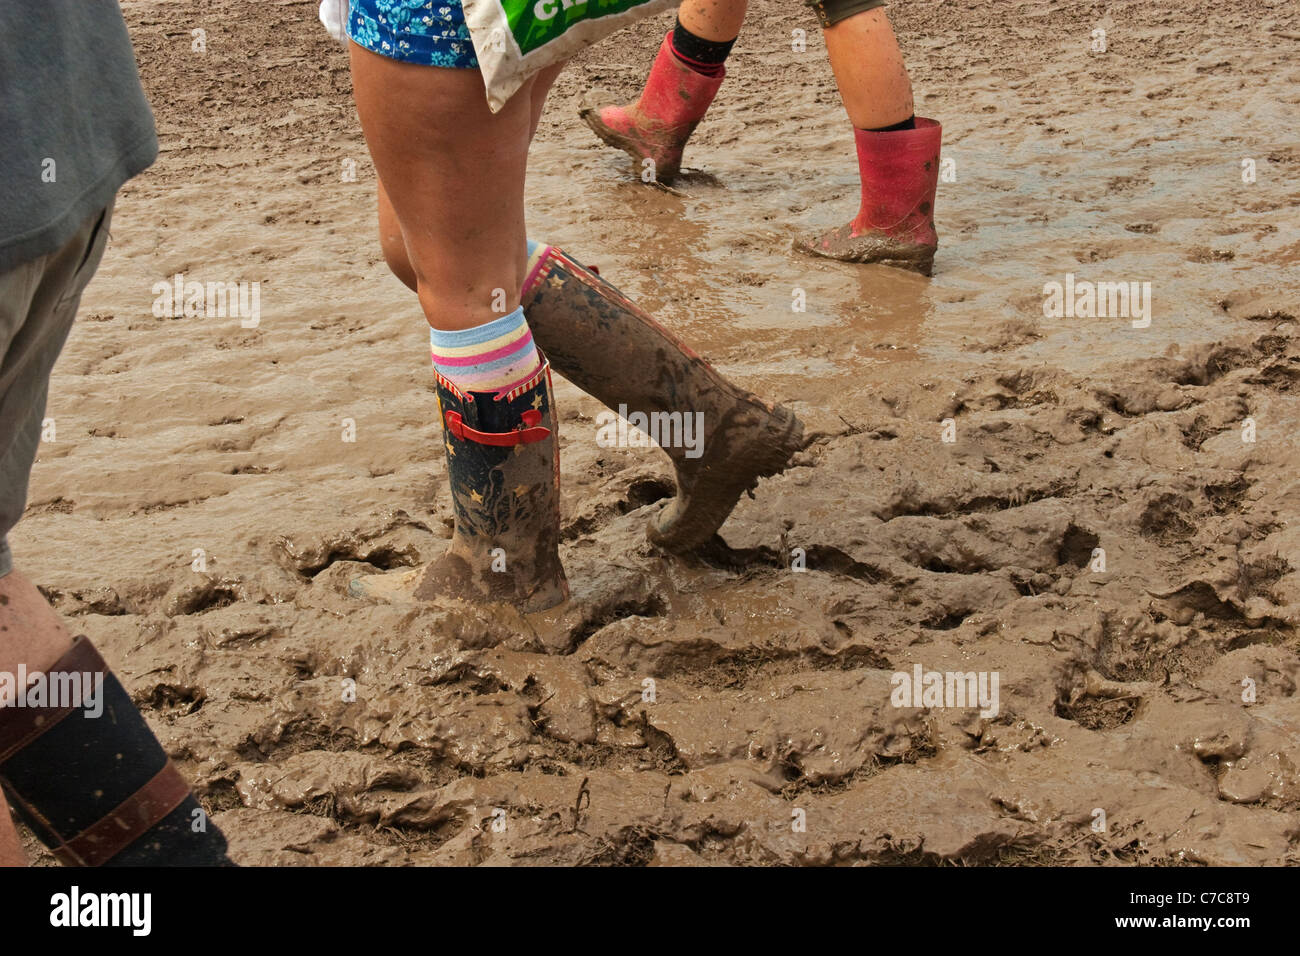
{"x": 1099, "y": 705}
{"x": 609, "y": 502}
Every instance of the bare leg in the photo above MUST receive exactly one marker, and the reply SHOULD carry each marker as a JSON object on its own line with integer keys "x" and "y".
{"x": 898, "y": 168}
{"x": 31, "y": 632}
{"x": 390, "y": 230}
{"x": 716, "y": 20}
{"x": 11, "y": 848}
{"x": 595, "y": 332}
{"x": 869, "y": 70}
{"x": 453, "y": 191}
{"x": 542, "y": 83}
{"x": 390, "y": 239}
{"x": 454, "y": 172}
{"x": 32, "y": 635}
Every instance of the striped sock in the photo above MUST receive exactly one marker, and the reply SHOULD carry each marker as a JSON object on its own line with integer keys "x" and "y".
{"x": 489, "y": 358}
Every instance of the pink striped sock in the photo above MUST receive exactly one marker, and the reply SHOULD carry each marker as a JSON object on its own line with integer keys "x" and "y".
{"x": 487, "y": 358}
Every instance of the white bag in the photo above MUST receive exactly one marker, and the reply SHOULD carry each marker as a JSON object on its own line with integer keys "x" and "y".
{"x": 334, "y": 14}
{"x": 516, "y": 38}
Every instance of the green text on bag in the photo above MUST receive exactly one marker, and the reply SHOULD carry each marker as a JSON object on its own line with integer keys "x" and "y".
{"x": 534, "y": 23}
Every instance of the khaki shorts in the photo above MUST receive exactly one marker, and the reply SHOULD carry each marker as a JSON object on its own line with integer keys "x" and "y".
{"x": 831, "y": 12}
{"x": 38, "y": 301}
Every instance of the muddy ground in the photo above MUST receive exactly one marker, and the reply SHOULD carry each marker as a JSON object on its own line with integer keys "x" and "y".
{"x": 475, "y": 737}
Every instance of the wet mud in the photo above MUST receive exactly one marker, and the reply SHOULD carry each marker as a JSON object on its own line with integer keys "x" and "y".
{"x": 1101, "y": 515}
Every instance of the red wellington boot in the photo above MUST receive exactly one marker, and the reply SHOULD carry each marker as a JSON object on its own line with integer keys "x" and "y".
{"x": 895, "y": 224}
{"x": 674, "y": 101}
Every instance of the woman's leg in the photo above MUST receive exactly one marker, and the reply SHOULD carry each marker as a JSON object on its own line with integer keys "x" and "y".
{"x": 391, "y": 241}
{"x": 452, "y": 220}
{"x": 869, "y": 70}
{"x": 454, "y": 172}
{"x": 597, "y": 338}
{"x": 11, "y": 848}
{"x": 619, "y": 354}
{"x": 898, "y": 153}
{"x": 542, "y": 83}
{"x": 390, "y": 230}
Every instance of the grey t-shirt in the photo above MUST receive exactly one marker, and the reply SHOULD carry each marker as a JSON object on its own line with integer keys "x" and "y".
{"x": 74, "y": 122}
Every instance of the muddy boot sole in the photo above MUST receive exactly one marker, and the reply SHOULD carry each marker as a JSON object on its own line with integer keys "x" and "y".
{"x": 692, "y": 518}
{"x": 870, "y": 250}
{"x": 635, "y": 147}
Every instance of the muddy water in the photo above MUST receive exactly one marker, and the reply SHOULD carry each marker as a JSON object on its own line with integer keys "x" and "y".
{"x": 681, "y": 712}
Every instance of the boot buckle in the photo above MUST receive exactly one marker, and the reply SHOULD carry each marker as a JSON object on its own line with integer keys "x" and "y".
{"x": 529, "y": 430}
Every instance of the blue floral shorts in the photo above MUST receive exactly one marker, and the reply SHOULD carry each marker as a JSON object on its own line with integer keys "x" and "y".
{"x": 428, "y": 32}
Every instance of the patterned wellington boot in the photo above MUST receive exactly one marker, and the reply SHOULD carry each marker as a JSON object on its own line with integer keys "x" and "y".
{"x": 895, "y": 223}
{"x": 85, "y": 772}
{"x": 503, "y": 469}
{"x": 597, "y": 339}
{"x": 657, "y": 126}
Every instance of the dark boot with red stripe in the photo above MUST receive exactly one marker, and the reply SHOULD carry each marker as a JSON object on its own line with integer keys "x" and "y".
{"x": 895, "y": 221}
{"x": 503, "y": 469}
{"x": 601, "y": 342}
{"x": 658, "y": 125}
{"x": 86, "y": 773}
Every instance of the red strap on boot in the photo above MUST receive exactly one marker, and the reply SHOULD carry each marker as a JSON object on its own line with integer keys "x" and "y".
{"x": 529, "y": 431}
{"x": 104, "y": 839}
{"x": 19, "y": 726}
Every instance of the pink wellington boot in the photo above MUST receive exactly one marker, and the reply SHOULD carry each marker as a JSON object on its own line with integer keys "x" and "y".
{"x": 674, "y": 101}
{"x": 895, "y": 224}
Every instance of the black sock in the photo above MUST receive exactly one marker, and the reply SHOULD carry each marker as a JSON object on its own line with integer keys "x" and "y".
{"x": 909, "y": 123}
{"x": 701, "y": 55}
